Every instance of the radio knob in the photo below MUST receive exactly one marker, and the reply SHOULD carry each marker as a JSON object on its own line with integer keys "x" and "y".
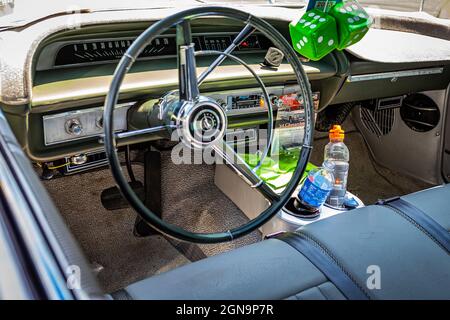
{"x": 79, "y": 159}
{"x": 74, "y": 127}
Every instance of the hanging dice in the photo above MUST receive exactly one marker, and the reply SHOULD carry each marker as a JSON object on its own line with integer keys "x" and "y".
{"x": 314, "y": 35}
{"x": 353, "y": 22}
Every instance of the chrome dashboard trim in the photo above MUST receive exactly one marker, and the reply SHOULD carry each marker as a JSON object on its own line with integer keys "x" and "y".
{"x": 395, "y": 74}
{"x": 53, "y": 125}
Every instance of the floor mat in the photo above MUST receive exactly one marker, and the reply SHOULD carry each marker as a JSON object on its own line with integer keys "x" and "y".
{"x": 368, "y": 180}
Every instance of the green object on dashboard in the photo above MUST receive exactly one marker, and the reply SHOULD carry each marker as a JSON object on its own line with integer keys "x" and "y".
{"x": 314, "y": 35}
{"x": 319, "y": 32}
{"x": 353, "y": 22}
{"x": 277, "y": 171}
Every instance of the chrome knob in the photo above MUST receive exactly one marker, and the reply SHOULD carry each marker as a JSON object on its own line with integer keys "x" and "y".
{"x": 79, "y": 159}
{"x": 74, "y": 127}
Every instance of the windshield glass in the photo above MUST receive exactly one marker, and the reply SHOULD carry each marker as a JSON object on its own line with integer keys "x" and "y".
{"x": 17, "y": 12}
{"x": 433, "y": 7}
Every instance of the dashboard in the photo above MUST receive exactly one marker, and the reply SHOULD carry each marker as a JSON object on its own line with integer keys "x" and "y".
{"x": 58, "y": 78}
{"x": 73, "y": 72}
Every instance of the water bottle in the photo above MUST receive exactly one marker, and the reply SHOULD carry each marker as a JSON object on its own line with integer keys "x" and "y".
{"x": 316, "y": 188}
{"x": 337, "y": 152}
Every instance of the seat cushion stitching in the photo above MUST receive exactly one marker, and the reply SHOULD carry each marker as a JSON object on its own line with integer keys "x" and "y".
{"x": 328, "y": 252}
{"x": 321, "y": 292}
{"x": 309, "y": 288}
{"x": 418, "y": 226}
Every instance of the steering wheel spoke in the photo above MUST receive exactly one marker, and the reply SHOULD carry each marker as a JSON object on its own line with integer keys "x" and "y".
{"x": 243, "y": 170}
{"x": 244, "y": 34}
{"x": 187, "y": 75}
{"x": 142, "y": 135}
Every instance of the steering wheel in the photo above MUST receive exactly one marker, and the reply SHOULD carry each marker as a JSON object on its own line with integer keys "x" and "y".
{"x": 200, "y": 121}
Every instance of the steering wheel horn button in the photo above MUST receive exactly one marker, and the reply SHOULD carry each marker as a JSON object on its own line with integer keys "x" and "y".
{"x": 201, "y": 123}
{"x": 206, "y": 124}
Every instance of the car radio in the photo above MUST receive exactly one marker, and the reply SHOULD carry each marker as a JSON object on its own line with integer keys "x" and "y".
{"x": 286, "y": 101}
{"x": 247, "y": 101}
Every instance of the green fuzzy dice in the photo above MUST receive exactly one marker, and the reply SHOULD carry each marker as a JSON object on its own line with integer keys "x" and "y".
{"x": 314, "y": 35}
{"x": 353, "y": 22}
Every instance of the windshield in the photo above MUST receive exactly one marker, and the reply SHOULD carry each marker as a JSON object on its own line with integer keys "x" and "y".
{"x": 17, "y": 12}
{"x": 433, "y": 7}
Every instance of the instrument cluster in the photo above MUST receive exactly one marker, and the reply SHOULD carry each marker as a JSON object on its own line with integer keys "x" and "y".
{"x": 108, "y": 50}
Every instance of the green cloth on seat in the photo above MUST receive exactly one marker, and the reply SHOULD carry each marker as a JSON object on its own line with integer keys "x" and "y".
{"x": 276, "y": 171}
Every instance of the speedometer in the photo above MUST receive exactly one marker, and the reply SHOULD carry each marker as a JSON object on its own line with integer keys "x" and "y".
{"x": 110, "y": 50}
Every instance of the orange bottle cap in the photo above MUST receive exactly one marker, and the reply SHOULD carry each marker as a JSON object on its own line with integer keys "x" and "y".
{"x": 336, "y": 133}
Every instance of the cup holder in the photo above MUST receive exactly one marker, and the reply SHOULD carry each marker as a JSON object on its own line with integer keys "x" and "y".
{"x": 299, "y": 211}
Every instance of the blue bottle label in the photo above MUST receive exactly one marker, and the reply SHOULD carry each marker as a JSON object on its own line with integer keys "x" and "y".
{"x": 312, "y": 194}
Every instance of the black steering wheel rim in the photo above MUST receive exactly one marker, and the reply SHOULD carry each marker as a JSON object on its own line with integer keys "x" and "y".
{"x": 112, "y": 98}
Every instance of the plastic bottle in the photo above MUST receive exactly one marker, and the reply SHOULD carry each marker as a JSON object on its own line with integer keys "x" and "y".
{"x": 316, "y": 187}
{"x": 337, "y": 152}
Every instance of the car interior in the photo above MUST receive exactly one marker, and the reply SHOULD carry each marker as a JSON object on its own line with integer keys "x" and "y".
{"x": 92, "y": 114}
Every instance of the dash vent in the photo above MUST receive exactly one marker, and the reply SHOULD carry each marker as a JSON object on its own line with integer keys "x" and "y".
{"x": 420, "y": 113}
{"x": 379, "y": 122}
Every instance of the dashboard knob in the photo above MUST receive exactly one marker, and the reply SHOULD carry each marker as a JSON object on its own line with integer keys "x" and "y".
{"x": 79, "y": 159}
{"x": 74, "y": 127}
